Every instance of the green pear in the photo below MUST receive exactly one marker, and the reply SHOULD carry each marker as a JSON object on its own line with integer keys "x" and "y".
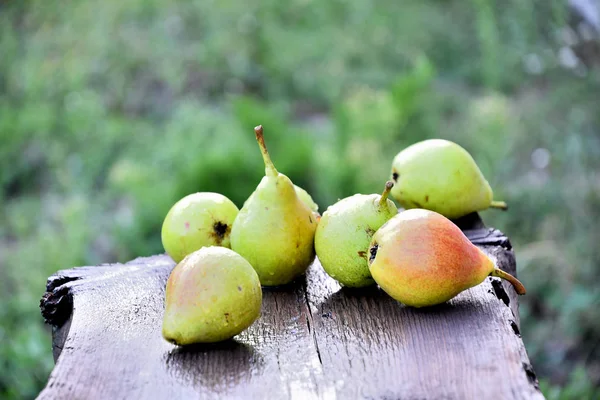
{"x": 274, "y": 230}
{"x": 441, "y": 176}
{"x": 197, "y": 220}
{"x": 345, "y": 231}
{"x": 306, "y": 199}
{"x": 212, "y": 295}
{"x": 421, "y": 258}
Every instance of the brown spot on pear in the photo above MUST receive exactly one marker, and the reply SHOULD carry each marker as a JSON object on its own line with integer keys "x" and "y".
{"x": 197, "y": 220}
{"x": 212, "y": 295}
{"x": 421, "y": 258}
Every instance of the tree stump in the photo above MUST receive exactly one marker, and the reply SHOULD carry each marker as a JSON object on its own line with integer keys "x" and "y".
{"x": 314, "y": 340}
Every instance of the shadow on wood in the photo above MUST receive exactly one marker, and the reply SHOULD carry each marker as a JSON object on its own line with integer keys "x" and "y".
{"x": 215, "y": 367}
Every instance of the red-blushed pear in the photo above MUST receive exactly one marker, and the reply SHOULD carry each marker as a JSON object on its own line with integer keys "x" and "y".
{"x": 421, "y": 258}
{"x": 212, "y": 295}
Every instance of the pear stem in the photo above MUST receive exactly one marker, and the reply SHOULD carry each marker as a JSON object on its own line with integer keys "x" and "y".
{"x": 499, "y": 204}
{"x": 513, "y": 281}
{"x": 270, "y": 169}
{"x": 386, "y": 192}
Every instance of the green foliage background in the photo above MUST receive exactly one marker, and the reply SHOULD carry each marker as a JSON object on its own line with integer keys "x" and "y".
{"x": 110, "y": 111}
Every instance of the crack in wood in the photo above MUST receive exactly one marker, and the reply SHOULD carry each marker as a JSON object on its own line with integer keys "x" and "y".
{"x": 310, "y": 323}
{"x": 56, "y": 306}
{"x": 499, "y": 291}
{"x": 488, "y": 237}
{"x": 515, "y": 328}
{"x": 531, "y": 375}
{"x": 59, "y": 280}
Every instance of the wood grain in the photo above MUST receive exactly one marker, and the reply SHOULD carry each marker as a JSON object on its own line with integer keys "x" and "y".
{"x": 313, "y": 340}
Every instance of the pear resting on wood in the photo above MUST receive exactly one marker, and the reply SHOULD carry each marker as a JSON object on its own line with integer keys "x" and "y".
{"x": 275, "y": 229}
{"x": 421, "y": 258}
{"x": 441, "y": 176}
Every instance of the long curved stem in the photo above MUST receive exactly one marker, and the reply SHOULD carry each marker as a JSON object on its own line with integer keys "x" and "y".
{"x": 514, "y": 281}
{"x": 270, "y": 169}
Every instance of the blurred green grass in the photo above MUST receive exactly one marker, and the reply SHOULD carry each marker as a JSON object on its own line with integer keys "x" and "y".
{"x": 111, "y": 111}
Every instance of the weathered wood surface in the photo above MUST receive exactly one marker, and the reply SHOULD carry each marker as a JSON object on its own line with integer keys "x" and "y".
{"x": 313, "y": 340}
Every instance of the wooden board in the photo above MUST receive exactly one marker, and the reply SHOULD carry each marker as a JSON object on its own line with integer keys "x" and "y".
{"x": 313, "y": 340}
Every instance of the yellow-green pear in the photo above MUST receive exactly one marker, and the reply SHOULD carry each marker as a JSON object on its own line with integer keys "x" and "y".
{"x": 212, "y": 295}
{"x": 306, "y": 199}
{"x": 197, "y": 220}
{"x": 274, "y": 230}
{"x": 421, "y": 258}
{"x": 441, "y": 176}
{"x": 345, "y": 231}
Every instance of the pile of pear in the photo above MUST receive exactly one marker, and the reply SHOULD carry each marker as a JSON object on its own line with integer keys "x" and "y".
{"x": 225, "y": 254}
{"x": 416, "y": 254}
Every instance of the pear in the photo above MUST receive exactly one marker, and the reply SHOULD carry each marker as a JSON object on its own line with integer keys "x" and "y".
{"x": 274, "y": 230}
{"x": 212, "y": 295}
{"x": 197, "y": 220}
{"x": 441, "y": 176}
{"x": 421, "y": 258}
{"x": 306, "y": 199}
{"x": 345, "y": 231}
